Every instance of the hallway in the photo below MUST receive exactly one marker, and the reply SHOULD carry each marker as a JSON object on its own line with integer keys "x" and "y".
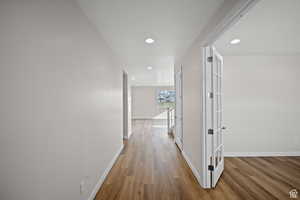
{"x": 79, "y": 77}
{"x": 151, "y": 167}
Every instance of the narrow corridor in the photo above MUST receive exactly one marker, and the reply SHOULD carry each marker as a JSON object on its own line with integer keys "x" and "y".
{"x": 150, "y": 167}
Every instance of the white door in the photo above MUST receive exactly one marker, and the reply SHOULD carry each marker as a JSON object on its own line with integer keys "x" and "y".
{"x": 178, "y": 109}
{"x": 216, "y": 160}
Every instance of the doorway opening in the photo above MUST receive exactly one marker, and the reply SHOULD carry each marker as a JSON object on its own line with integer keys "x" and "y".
{"x": 260, "y": 103}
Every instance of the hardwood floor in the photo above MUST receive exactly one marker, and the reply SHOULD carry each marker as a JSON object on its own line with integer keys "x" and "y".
{"x": 151, "y": 168}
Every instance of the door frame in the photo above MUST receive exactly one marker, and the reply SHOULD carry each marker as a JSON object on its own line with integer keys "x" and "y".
{"x": 180, "y": 146}
{"x": 125, "y": 104}
{"x": 232, "y": 18}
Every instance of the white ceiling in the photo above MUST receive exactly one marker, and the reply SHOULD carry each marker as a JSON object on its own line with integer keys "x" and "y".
{"x": 272, "y": 27}
{"x": 174, "y": 24}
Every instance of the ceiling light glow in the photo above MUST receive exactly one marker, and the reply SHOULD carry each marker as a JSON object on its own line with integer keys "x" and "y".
{"x": 149, "y": 68}
{"x": 149, "y": 41}
{"x": 235, "y": 41}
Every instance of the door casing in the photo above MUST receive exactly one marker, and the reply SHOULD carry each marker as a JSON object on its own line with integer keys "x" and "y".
{"x": 125, "y": 104}
{"x": 179, "y": 109}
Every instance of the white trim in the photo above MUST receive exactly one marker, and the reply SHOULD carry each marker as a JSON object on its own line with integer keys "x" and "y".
{"x": 125, "y": 89}
{"x": 104, "y": 175}
{"x": 204, "y": 127}
{"x": 260, "y": 154}
{"x": 194, "y": 170}
{"x": 177, "y": 116}
{"x": 231, "y": 18}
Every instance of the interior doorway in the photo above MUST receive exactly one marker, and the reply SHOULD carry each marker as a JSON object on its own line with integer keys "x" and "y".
{"x": 213, "y": 127}
{"x": 259, "y": 85}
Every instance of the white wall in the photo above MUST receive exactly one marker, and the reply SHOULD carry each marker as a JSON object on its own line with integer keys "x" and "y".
{"x": 61, "y": 101}
{"x": 144, "y": 103}
{"x": 261, "y": 104}
{"x": 192, "y": 83}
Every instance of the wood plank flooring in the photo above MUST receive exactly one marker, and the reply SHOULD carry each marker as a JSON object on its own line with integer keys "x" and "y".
{"x": 151, "y": 168}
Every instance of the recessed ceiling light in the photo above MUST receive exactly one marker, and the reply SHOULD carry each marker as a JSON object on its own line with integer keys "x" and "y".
{"x": 149, "y": 68}
{"x": 149, "y": 41}
{"x": 235, "y": 41}
{"x": 133, "y": 78}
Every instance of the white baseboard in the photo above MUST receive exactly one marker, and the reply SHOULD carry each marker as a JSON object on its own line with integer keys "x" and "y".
{"x": 194, "y": 170}
{"x": 104, "y": 175}
{"x": 260, "y": 154}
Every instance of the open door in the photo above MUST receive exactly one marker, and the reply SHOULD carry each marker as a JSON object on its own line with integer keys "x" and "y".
{"x": 215, "y": 146}
{"x": 178, "y": 109}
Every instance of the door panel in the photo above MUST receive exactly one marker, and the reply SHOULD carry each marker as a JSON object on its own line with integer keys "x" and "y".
{"x": 217, "y": 115}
